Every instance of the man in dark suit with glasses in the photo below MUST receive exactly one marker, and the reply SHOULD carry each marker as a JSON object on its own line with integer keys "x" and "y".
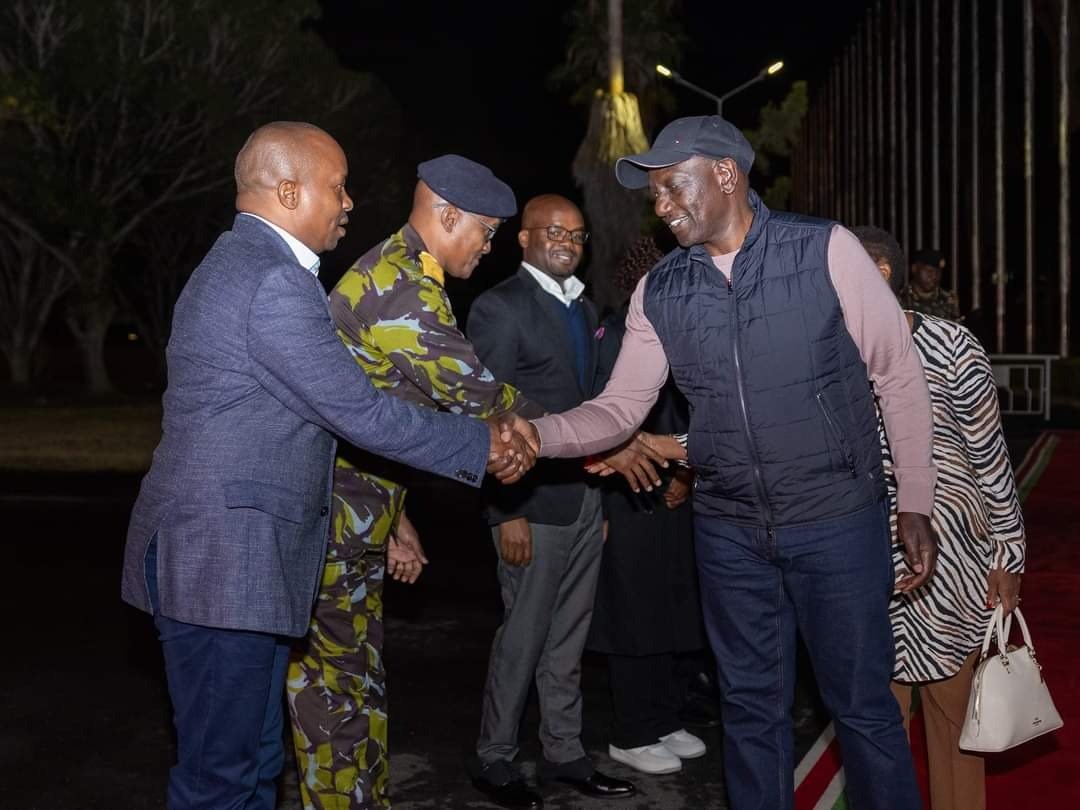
{"x": 536, "y": 332}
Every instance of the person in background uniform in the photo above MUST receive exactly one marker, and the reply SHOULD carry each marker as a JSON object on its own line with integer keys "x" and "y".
{"x": 773, "y": 325}
{"x": 393, "y": 315}
{"x": 924, "y": 293}
{"x": 647, "y": 617}
{"x": 939, "y": 627}
{"x": 536, "y": 331}
{"x": 228, "y": 534}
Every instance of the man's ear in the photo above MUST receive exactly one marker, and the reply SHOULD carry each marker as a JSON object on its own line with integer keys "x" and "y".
{"x": 726, "y": 173}
{"x": 449, "y": 218}
{"x": 523, "y": 238}
{"x": 288, "y": 194}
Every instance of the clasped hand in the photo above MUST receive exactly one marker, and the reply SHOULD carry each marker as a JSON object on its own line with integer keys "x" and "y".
{"x": 514, "y": 447}
{"x": 636, "y": 461}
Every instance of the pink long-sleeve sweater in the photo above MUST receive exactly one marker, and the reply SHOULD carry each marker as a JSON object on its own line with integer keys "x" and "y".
{"x": 876, "y": 325}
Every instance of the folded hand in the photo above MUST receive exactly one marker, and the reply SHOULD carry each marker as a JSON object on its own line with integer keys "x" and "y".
{"x": 405, "y": 558}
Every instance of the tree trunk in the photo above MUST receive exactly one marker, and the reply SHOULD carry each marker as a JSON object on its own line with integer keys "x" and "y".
{"x": 30, "y": 284}
{"x": 615, "y": 58}
{"x": 89, "y": 320}
{"x": 18, "y": 359}
{"x": 92, "y": 349}
{"x": 614, "y": 214}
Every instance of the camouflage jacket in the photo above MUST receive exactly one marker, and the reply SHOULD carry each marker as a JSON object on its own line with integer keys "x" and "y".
{"x": 394, "y": 316}
{"x": 942, "y": 304}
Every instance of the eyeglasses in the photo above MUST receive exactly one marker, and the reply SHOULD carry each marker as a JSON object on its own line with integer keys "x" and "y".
{"x": 557, "y": 233}
{"x": 491, "y": 229}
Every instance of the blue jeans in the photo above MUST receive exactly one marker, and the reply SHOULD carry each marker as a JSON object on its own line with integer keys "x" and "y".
{"x": 832, "y": 581}
{"x": 227, "y": 689}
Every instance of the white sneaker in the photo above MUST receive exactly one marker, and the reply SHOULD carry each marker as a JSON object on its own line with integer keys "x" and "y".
{"x": 654, "y": 758}
{"x": 683, "y": 744}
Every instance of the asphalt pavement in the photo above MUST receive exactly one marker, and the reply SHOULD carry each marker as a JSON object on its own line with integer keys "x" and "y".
{"x": 86, "y": 720}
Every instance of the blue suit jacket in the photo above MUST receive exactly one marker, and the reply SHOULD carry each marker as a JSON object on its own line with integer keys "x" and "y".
{"x": 238, "y": 493}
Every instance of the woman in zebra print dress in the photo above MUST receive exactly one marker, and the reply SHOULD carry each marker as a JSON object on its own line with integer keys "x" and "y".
{"x": 938, "y": 628}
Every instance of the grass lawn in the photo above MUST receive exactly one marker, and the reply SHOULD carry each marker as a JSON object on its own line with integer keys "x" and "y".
{"x": 88, "y": 438}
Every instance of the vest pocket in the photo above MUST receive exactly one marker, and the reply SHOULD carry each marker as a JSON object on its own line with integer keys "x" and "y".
{"x": 837, "y": 434}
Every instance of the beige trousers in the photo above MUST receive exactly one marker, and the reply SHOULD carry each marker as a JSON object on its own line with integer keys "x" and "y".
{"x": 957, "y": 779}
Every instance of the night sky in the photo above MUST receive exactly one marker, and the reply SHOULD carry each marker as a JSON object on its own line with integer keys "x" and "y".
{"x": 472, "y": 78}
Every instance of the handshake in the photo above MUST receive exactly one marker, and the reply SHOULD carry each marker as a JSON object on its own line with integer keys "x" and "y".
{"x": 514, "y": 447}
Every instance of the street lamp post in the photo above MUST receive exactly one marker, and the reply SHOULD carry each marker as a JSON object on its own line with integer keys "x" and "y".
{"x": 668, "y": 73}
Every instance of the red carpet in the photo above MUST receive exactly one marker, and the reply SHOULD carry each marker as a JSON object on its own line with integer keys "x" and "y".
{"x": 1044, "y": 773}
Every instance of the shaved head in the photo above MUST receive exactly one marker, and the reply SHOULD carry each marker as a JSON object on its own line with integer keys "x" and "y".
{"x": 539, "y": 210}
{"x": 274, "y": 152}
{"x": 292, "y": 174}
{"x": 424, "y": 198}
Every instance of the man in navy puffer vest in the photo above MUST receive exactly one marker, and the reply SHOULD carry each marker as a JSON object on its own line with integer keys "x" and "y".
{"x": 774, "y": 327}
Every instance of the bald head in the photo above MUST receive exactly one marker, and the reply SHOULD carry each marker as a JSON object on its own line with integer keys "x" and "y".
{"x": 427, "y": 215}
{"x": 292, "y": 174}
{"x": 278, "y": 151}
{"x": 436, "y": 220}
{"x": 539, "y": 210}
{"x": 424, "y": 198}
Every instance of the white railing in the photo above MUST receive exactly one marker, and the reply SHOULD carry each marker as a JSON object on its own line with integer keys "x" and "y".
{"x": 1023, "y": 381}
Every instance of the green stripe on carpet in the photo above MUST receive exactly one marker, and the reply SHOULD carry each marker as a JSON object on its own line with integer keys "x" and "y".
{"x": 1038, "y": 467}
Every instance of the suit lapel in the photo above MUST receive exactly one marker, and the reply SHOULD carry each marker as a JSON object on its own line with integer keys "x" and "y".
{"x": 251, "y": 229}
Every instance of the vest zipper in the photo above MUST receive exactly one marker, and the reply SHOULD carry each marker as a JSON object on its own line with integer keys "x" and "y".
{"x": 759, "y": 480}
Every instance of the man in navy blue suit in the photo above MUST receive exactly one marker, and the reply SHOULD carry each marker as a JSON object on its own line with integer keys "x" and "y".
{"x": 228, "y": 534}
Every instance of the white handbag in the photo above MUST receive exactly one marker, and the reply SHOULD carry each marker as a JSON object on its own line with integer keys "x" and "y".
{"x": 1009, "y": 701}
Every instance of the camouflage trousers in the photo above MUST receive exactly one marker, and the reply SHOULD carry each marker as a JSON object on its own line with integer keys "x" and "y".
{"x": 336, "y": 682}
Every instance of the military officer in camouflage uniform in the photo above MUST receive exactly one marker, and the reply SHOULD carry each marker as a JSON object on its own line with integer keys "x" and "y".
{"x": 393, "y": 314}
{"x": 924, "y": 292}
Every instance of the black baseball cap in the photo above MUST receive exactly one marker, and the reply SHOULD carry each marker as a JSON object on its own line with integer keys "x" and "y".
{"x": 705, "y": 135}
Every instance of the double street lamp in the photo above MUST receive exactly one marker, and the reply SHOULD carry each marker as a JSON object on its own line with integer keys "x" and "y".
{"x": 668, "y": 73}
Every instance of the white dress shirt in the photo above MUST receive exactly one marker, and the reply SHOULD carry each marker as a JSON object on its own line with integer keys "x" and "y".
{"x": 307, "y": 258}
{"x": 567, "y": 292}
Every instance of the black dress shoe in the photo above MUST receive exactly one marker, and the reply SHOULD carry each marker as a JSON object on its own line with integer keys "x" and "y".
{"x": 599, "y": 786}
{"x": 699, "y": 712}
{"x": 702, "y": 683}
{"x": 514, "y": 793}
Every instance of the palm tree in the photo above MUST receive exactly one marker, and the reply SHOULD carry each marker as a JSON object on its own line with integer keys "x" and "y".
{"x": 615, "y": 123}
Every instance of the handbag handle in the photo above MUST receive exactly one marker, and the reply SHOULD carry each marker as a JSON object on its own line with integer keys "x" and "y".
{"x": 1003, "y": 626}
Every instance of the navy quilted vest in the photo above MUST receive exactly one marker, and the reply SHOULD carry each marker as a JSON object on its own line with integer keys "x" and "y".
{"x": 782, "y": 428}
